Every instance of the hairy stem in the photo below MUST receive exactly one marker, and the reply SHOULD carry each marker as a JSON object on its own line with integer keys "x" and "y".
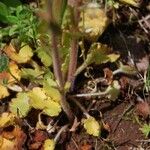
{"x": 74, "y": 47}
{"x": 57, "y": 67}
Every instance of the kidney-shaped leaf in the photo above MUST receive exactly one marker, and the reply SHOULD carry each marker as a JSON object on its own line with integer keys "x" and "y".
{"x": 92, "y": 126}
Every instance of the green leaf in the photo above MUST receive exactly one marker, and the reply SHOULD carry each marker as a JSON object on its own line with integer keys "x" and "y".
{"x": 146, "y": 129}
{"x": 45, "y": 57}
{"x": 11, "y": 3}
{"x": 4, "y": 61}
{"x": 12, "y": 19}
{"x": 3, "y": 12}
{"x": 28, "y": 73}
{"x": 20, "y": 105}
{"x": 92, "y": 126}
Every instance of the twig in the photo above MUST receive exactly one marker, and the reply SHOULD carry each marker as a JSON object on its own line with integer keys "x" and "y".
{"x": 59, "y": 133}
{"x": 80, "y": 106}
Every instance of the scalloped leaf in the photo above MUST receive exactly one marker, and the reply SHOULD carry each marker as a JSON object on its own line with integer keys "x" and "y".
{"x": 24, "y": 55}
{"x": 45, "y": 57}
{"x": 52, "y": 108}
{"x": 51, "y": 91}
{"x": 49, "y": 144}
{"x": 90, "y": 23}
{"x": 4, "y": 92}
{"x": 92, "y": 126}
{"x": 37, "y": 98}
{"x": 20, "y": 105}
{"x": 31, "y": 73}
{"x": 6, "y": 119}
{"x": 113, "y": 90}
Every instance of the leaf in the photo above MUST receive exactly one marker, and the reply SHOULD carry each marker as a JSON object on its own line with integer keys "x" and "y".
{"x": 31, "y": 73}
{"x": 6, "y": 119}
{"x": 3, "y": 12}
{"x": 131, "y": 70}
{"x": 7, "y": 144}
{"x": 134, "y": 3}
{"x": 45, "y": 57}
{"x": 12, "y": 19}
{"x": 37, "y": 98}
{"x": 98, "y": 54}
{"x": 51, "y": 91}
{"x": 13, "y": 3}
{"x": 4, "y": 61}
{"x": 24, "y": 55}
{"x": 52, "y": 108}
{"x": 92, "y": 126}
{"x": 145, "y": 130}
{"x": 13, "y": 67}
{"x": 49, "y": 144}
{"x": 113, "y": 90}
{"x": 90, "y": 23}
{"x": 20, "y": 105}
{"x": 4, "y": 92}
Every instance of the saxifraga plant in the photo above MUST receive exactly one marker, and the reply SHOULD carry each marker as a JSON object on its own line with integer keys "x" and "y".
{"x": 55, "y": 24}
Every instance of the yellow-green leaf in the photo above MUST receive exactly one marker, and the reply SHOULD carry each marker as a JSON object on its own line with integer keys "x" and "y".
{"x": 49, "y": 144}
{"x": 37, "y": 98}
{"x": 45, "y": 57}
{"x": 134, "y": 3}
{"x": 52, "y": 108}
{"x": 52, "y": 92}
{"x": 4, "y": 92}
{"x": 20, "y": 105}
{"x": 113, "y": 90}
{"x": 6, "y": 119}
{"x": 92, "y": 126}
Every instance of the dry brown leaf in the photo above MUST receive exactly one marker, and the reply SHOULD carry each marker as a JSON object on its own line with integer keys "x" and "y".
{"x": 143, "y": 109}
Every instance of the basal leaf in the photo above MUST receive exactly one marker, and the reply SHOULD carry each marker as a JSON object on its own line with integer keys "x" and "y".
{"x": 20, "y": 105}
{"x": 52, "y": 92}
{"x": 52, "y": 108}
{"x": 49, "y": 144}
{"x": 37, "y": 98}
{"x": 3, "y": 92}
{"x": 45, "y": 57}
{"x": 92, "y": 126}
{"x": 6, "y": 119}
{"x": 28, "y": 73}
{"x": 24, "y": 55}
